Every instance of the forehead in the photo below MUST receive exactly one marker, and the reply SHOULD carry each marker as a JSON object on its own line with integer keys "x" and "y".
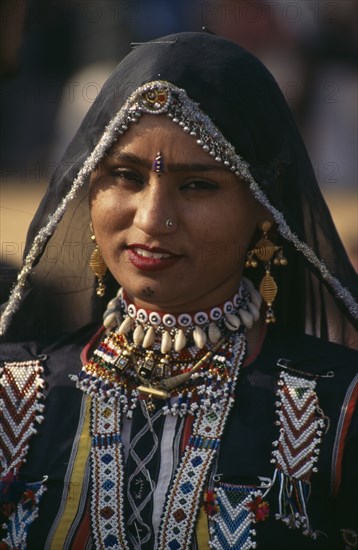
{"x": 154, "y": 133}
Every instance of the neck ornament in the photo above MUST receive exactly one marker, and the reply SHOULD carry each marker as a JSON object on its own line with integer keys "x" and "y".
{"x": 159, "y": 356}
{"x": 176, "y": 332}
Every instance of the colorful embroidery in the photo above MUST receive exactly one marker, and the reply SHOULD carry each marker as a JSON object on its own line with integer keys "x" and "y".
{"x": 210, "y": 503}
{"x": 20, "y": 398}
{"x": 107, "y": 475}
{"x": 185, "y": 493}
{"x": 240, "y": 507}
{"x": 301, "y": 426}
{"x": 300, "y": 422}
{"x": 20, "y": 403}
{"x": 182, "y": 505}
{"x": 260, "y": 508}
{"x": 23, "y": 515}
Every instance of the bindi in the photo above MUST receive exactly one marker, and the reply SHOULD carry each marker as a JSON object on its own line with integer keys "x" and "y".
{"x": 158, "y": 164}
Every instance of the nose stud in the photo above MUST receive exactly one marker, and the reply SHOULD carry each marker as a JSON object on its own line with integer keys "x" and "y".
{"x": 158, "y": 164}
{"x": 169, "y": 223}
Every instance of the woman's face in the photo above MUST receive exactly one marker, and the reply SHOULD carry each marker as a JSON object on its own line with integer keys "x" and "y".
{"x": 194, "y": 262}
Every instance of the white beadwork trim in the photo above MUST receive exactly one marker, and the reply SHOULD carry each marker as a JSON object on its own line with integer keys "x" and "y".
{"x": 21, "y": 385}
{"x": 295, "y": 455}
{"x": 301, "y": 427}
{"x": 197, "y": 124}
{"x": 243, "y": 536}
{"x": 194, "y": 467}
{"x": 106, "y": 425}
{"x": 107, "y": 467}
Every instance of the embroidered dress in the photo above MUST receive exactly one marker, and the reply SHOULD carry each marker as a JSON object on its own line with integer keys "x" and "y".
{"x": 242, "y": 498}
{"x": 144, "y": 453}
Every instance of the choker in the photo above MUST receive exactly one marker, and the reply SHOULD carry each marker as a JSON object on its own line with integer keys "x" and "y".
{"x": 139, "y": 359}
{"x": 175, "y": 332}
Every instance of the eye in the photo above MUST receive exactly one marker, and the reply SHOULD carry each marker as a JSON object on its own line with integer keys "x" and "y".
{"x": 200, "y": 185}
{"x": 127, "y": 176}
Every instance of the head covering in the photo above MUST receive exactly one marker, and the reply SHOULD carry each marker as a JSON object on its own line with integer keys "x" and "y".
{"x": 230, "y": 104}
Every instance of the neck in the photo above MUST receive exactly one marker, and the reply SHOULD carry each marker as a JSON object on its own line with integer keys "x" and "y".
{"x": 176, "y": 331}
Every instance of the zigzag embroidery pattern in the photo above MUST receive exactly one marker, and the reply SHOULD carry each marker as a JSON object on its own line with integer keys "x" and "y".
{"x": 233, "y": 527}
{"x": 20, "y": 403}
{"x": 301, "y": 427}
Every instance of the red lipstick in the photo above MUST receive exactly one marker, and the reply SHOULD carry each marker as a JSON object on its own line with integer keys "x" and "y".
{"x": 146, "y": 258}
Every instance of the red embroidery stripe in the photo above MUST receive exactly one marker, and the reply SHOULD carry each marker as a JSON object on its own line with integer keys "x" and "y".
{"x": 296, "y": 451}
{"x": 18, "y": 414}
{"x": 188, "y": 428}
{"x": 296, "y": 432}
{"x": 347, "y": 420}
{"x": 299, "y": 412}
{"x": 91, "y": 344}
{"x": 83, "y": 532}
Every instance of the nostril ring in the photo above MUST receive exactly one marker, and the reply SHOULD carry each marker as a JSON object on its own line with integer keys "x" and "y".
{"x": 169, "y": 223}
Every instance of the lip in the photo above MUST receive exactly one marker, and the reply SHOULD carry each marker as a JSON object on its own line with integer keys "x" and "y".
{"x": 151, "y": 263}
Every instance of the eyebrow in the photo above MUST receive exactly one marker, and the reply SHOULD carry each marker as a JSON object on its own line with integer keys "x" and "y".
{"x": 177, "y": 167}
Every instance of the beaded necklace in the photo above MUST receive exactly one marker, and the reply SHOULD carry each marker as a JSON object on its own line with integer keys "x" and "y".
{"x": 177, "y": 331}
{"x": 139, "y": 359}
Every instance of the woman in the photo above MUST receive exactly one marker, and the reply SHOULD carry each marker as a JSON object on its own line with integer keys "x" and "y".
{"x": 195, "y": 420}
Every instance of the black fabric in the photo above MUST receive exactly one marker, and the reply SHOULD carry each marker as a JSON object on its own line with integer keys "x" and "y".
{"x": 246, "y": 445}
{"x": 243, "y": 100}
{"x": 50, "y": 449}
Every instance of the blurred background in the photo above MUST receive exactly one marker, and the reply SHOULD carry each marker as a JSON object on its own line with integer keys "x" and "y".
{"x": 56, "y": 54}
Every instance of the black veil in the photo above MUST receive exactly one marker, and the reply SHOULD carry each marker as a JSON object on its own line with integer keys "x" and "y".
{"x": 55, "y": 291}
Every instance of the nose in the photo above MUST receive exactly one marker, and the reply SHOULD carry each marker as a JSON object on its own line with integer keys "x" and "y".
{"x": 156, "y": 208}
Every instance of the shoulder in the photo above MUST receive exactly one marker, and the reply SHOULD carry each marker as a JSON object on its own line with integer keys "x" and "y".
{"x": 57, "y": 346}
{"x": 332, "y": 368}
{"x": 308, "y": 353}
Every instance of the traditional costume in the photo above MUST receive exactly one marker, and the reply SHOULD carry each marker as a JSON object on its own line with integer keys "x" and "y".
{"x": 168, "y": 434}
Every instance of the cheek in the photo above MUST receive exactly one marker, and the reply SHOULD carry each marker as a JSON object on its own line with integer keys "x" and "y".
{"x": 108, "y": 213}
{"x": 223, "y": 245}
{"x": 238, "y": 227}
{"x": 234, "y": 224}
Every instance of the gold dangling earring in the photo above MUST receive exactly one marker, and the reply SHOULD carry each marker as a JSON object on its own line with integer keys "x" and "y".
{"x": 265, "y": 250}
{"x": 98, "y": 266}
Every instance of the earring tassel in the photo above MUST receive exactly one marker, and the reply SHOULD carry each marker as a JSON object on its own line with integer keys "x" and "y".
{"x": 268, "y": 290}
{"x": 99, "y": 268}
